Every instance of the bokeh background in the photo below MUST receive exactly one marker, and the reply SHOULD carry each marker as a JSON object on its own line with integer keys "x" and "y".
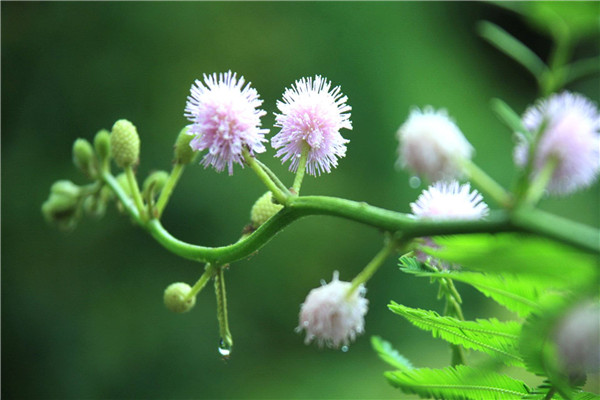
{"x": 82, "y": 312}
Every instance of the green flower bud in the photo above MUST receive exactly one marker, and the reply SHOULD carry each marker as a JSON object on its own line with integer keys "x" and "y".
{"x": 183, "y": 152}
{"x": 125, "y": 143}
{"x": 83, "y": 157}
{"x": 154, "y": 182}
{"x": 62, "y": 207}
{"x": 175, "y": 297}
{"x": 263, "y": 209}
{"x": 102, "y": 144}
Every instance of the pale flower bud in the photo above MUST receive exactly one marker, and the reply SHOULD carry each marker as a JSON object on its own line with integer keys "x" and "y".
{"x": 263, "y": 209}
{"x": 125, "y": 143}
{"x": 175, "y": 297}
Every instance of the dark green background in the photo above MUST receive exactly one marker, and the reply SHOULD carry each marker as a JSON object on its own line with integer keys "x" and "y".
{"x": 82, "y": 313}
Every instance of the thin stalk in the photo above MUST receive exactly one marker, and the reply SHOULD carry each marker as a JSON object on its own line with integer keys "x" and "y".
{"x": 279, "y": 195}
{"x": 273, "y": 177}
{"x": 209, "y": 272}
{"x": 301, "y": 168}
{"x": 487, "y": 184}
{"x": 453, "y": 309}
{"x": 165, "y": 194}
{"x": 539, "y": 184}
{"x": 135, "y": 191}
{"x": 372, "y": 267}
{"x": 226, "y": 341}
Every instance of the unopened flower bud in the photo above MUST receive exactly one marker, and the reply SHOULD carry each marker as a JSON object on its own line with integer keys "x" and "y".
{"x": 154, "y": 182}
{"x": 66, "y": 188}
{"x": 183, "y": 151}
{"x": 263, "y": 209}
{"x": 125, "y": 143}
{"x": 176, "y": 297}
{"x": 62, "y": 207}
{"x": 83, "y": 157}
{"x": 102, "y": 144}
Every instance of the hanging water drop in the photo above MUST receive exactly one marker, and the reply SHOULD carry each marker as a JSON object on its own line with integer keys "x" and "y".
{"x": 414, "y": 182}
{"x": 345, "y": 349}
{"x": 224, "y": 349}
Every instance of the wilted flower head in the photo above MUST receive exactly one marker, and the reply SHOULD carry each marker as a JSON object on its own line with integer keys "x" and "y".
{"x": 432, "y": 145}
{"x": 571, "y": 135}
{"x": 332, "y": 317}
{"x": 449, "y": 201}
{"x": 311, "y": 113}
{"x": 577, "y": 337}
{"x": 225, "y": 119}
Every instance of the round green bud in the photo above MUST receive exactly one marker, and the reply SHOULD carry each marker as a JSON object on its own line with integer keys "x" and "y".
{"x": 62, "y": 207}
{"x": 83, "y": 157}
{"x": 102, "y": 144}
{"x": 184, "y": 154}
{"x": 125, "y": 143}
{"x": 176, "y": 297}
{"x": 263, "y": 209}
{"x": 154, "y": 182}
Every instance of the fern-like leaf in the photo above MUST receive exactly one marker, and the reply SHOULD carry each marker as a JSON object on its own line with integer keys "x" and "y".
{"x": 458, "y": 383}
{"x": 387, "y": 353}
{"x": 498, "y": 339}
{"x": 518, "y": 294}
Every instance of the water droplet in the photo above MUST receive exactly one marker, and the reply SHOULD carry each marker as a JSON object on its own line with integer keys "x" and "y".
{"x": 345, "y": 349}
{"x": 323, "y": 283}
{"x": 414, "y": 182}
{"x": 224, "y": 349}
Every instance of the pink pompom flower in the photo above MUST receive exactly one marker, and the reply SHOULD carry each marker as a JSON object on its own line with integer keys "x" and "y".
{"x": 312, "y": 113}
{"x": 225, "y": 119}
{"x": 332, "y": 317}
{"x": 432, "y": 145}
{"x": 450, "y": 201}
{"x": 571, "y": 135}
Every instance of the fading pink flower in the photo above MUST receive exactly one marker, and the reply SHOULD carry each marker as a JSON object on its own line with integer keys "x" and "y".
{"x": 432, "y": 145}
{"x": 225, "y": 119}
{"x": 332, "y": 317}
{"x": 312, "y": 113}
{"x": 449, "y": 201}
{"x": 571, "y": 135}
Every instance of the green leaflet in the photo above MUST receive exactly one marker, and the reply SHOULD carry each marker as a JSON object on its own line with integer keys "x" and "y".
{"x": 518, "y": 294}
{"x": 457, "y": 383}
{"x": 498, "y": 339}
{"x": 543, "y": 260}
{"x": 387, "y": 353}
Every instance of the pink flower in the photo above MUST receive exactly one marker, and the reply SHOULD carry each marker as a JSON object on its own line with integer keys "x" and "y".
{"x": 571, "y": 135}
{"x": 332, "y": 317}
{"x": 225, "y": 119}
{"x": 311, "y": 113}
{"x": 432, "y": 145}
{"x": 449, "y": 201}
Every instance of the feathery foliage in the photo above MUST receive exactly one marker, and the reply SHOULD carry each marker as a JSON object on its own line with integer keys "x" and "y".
{"x": 457, "y": 383}
{"x": 387, "y": 353}
{"x": 498, "y": 339}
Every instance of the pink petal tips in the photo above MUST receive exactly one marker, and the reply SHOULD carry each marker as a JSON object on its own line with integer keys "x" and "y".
{"x": 449, "y": 201}
{"x": 312, "y": 113}
{"x": 571, "y": 135}
{"x": 332, "y": 317}
{"x": 225, "y": 119}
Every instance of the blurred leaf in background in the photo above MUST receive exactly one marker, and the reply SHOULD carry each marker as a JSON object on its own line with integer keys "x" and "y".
{"x": 82, "y": 313}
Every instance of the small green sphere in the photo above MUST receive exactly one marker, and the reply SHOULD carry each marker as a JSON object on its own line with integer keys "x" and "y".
{"x": 184, "y": 154}
{"x": 125, "y": 143}
{"x": 263, "y": 209}
{"x": 175, "y": 297}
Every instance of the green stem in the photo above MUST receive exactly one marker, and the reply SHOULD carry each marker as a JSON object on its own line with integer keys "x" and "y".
{"x": 226, "y": 341}
{"x": 529, "y": 221}
{"x": 279, "y": 195}
{"x": 550, "y": 393}
{"x": 537, "y": 187}
{"x": 209, "y": 272}
{"x": 372, "y": 266}
{"x": 301, "y": 168}
{"x": 165, "y": 194}
{"x": 135, "y": 191}
{"x": 453, "y": 309}
{"x": 488, "y": 185}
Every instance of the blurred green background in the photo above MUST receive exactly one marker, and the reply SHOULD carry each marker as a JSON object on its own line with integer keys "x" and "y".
{"x": 82, "y": 312}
